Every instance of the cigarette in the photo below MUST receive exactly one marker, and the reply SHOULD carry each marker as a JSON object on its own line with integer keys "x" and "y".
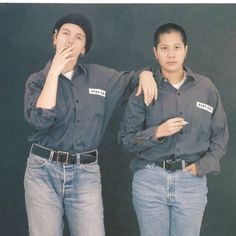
{"x": 67, "y": 45}
{"x": 185, "y": 122}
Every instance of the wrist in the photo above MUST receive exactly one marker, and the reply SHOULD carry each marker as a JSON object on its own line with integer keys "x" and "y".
{"x": 145, "y": 74}
{"x": 53, "y": 74}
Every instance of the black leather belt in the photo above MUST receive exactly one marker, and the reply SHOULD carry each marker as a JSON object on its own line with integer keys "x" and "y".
{"x": 172, "y": 164}
{"x": 64, "y": 157}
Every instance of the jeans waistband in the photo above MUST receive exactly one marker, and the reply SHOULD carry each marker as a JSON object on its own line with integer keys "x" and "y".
{"x": 64, "y": 157}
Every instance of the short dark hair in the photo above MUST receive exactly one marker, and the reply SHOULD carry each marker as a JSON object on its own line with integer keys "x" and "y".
{"x": 169, "y": 28}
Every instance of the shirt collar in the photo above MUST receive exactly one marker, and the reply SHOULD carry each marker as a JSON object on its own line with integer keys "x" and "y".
{"x": 80, "y": 67}
{"x": 190, "y": 75}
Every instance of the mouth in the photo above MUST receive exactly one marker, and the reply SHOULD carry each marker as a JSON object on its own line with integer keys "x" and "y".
{"x": 171, "y": 63}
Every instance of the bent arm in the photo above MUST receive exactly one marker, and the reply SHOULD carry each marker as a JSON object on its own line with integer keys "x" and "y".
{"x": 133, "y": 135}
{"x": 38, "y": 118}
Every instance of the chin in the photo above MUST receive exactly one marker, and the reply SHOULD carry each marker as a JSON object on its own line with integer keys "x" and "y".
{"x": 172, "y": 69}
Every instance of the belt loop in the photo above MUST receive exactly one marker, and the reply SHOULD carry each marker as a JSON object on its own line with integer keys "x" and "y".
{"x": 31, "y": 148}
{"x": 164, "y": 165}
{"x": 51, "y": 155}
{"x": 78, "y": 158}
{"x": 183, "y": 164}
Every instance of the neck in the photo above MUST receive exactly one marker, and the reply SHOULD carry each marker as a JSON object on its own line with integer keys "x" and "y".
{"x": 174, "y": 77}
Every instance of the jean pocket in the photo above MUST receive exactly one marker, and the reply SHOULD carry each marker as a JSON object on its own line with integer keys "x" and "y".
{"x": 91, "y": 167}
{"x": 188, "y": 174}
{"x": 35, "y": 162}
{"x": 150, "y": 166}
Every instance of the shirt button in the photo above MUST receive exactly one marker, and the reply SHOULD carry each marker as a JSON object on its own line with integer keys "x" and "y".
{"x": 181, "y": 113}
{"x": 78, "y": 121}
{"x": 77, "y": 101}
{"x": 181, "y": 132}
{"x": 178, "y": 93}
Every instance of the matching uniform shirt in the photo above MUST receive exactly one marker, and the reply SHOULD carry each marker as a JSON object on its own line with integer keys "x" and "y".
{"x": 203, "y": 140}
{"x": 83, "y": 108}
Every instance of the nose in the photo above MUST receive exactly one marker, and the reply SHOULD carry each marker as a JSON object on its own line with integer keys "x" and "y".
{"x": 171, "y": 53}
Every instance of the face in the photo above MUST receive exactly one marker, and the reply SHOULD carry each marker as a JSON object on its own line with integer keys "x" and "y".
{"x": 170, "y": 52}
{"x": 70, "y": 35}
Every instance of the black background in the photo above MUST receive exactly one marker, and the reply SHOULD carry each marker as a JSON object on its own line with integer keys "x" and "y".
{"x": 123, "y": 40}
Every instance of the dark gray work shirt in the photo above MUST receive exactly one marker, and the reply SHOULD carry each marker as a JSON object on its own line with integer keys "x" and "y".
{"x": 202, "y": 141}
{"x": 83, "y": 106}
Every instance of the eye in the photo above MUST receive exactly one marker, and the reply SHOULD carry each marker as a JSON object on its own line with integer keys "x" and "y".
{"x": 79, "y": 37}
{"x": 65, "y": 33}
{"x": 163, "y": 48}
{"x": 178, "y": 47}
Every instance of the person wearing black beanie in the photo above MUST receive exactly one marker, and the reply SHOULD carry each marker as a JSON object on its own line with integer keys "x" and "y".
{"x": 69, "y": 104}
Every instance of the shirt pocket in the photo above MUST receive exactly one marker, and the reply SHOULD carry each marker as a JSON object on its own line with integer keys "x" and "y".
{"x": 92, "y": 105}
{"x": 201, "y": 117}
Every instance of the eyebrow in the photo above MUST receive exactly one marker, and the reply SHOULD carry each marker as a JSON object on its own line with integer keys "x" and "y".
{"x": 77, "y": 34}
{"x": 166, "y": 44}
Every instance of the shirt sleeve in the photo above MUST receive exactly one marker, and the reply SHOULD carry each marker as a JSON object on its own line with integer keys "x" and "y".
{"x": 38, "y": 118}
{"x": 210, "y": 162}
{"x": 134, "y": 136}
{"x": 122, "y": 84}
{"x": 135, "y": 78}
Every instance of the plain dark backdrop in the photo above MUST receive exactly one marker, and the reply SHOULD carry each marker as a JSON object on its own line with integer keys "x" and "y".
{"x": 122, "y": 40}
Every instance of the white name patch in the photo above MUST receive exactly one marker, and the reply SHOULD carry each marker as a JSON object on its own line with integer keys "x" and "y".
{"x": 204, "y": 107}
{"x": 99, "y": 92}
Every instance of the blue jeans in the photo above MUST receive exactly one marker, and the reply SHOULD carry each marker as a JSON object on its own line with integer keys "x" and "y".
{"x": 54, "y": 191}
{"x": 168, "y": 203}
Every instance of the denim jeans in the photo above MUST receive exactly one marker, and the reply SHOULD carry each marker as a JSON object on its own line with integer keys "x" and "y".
{"x": 168, "y": 203}
{"x": 54, "y": 191}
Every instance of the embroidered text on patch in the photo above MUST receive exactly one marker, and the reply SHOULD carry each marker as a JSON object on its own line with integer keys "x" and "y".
{"x": 204, "y": 106}
{"x": 97, "y": 92}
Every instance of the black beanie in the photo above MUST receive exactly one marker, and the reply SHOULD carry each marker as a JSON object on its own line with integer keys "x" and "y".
{"x": 82, "y": 22}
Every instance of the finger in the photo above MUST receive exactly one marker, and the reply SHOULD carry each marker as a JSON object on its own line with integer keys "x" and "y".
{"x": 148, "y": 96}
{"x": 66, "y": 48}
{"x": 63, "y": 49}
{"x": 139, "y": 91}
{"x": 156, "y": 92}
{"x": 190, "y": 167}
{"x": 187, "y": 168}
{"x": 177, "y": 125}
{"x": 175, "y": 130}
{"x": 70, "y": 59}
{"x": 152, "y": 93}
{"x": 176, "y": 119}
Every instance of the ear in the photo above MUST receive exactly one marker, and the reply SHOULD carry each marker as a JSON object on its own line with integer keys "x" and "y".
{"x": 54, "y": 38}
{"x": 186, "y": 51}
{"x": 155, "y": 52}
{"x": 83, "y": 51}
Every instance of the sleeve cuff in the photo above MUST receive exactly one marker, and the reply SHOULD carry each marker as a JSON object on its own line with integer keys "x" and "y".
{"x": 46, "y": 113}
{"x": 208, "y": 165}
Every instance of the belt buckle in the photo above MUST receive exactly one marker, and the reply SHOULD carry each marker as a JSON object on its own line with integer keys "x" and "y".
{"x": 173, "y": 165}
{"x": 64, "y": 156}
